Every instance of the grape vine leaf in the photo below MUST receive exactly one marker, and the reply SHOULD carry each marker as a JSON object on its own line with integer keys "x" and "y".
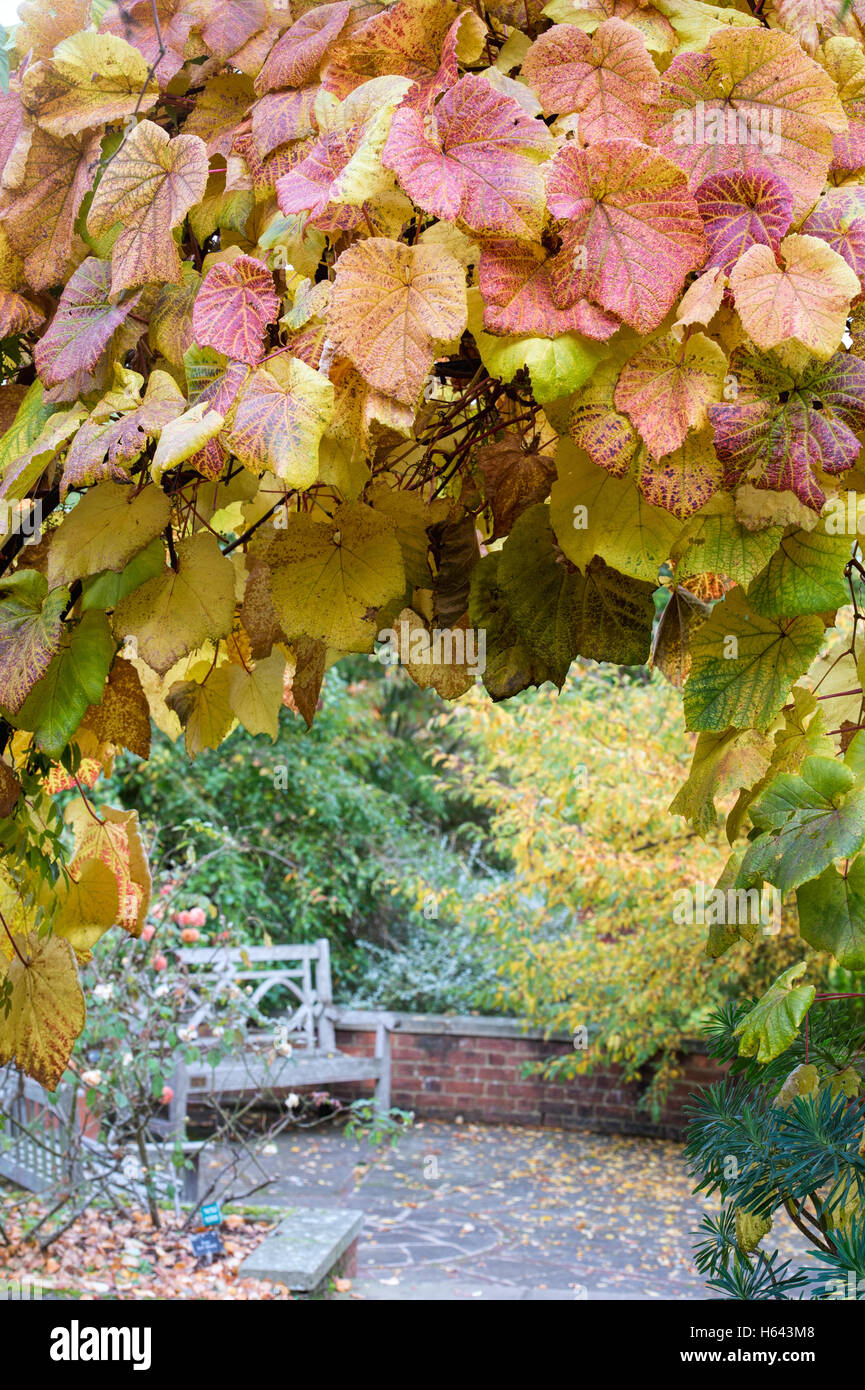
{"x": 148, "y": 187}
{"x": 632, "y": 222}
{"x": 233, "y": 307}
{"x": 743, "y": 665}
{"x": 771, "y": 1025}
{"x": 46, "y": 1007}
{"x": 392, "y": 305}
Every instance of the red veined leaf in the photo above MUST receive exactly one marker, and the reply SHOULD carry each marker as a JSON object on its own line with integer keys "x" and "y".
{"x": 634, "y": 231}
{"x": 296, "y": 57}
{"x": 740, "y": 210}
{"x": 84, "y": 324}
{"x": 518, "y": 294}
{"x": 475, "y": 157}
{"x": 752, "y": 98}
{"x": 609, "y": 79}
{"x": 236, "y": 302}
{"x": 839, "y": 220}
{"x": 784, "y": 425}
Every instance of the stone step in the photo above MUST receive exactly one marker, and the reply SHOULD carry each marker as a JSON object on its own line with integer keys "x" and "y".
{"x": 307, "y": 1246}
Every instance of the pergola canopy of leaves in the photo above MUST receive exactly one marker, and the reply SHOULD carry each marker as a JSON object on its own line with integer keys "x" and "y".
{"x": 324, "y": 320}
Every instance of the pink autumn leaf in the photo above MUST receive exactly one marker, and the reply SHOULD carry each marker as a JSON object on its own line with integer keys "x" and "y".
{"x": 784, "y": 425}
{"x": 296, "y": 57}
{"x": 232, "y": 23}
{"x": 608, "y": 78}
{"x": 632, "y": 229}
{"x": 752, "y": 98}
{"x": 83, "y": 326}
{"x": 518, "y": 295}
{"x": 235, "y": 304}
{"x": 404, "y": 39}
{"x": 308, "y": 186}
{"x": 839, "y": 220}
{"x": 279, "y": 117}
{"x": 425, "y": 91}
{"x": 476, "y": 158}
{"x": 740, "y": 210}
{"x": 216, "y": 382}
{"x": 848, "y": 150}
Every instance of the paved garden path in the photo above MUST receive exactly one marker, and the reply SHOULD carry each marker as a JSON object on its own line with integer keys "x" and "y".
{"x": 481, "y": 1211}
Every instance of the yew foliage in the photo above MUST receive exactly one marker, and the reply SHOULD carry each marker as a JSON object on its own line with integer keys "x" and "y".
{"x": 325, "y": 320}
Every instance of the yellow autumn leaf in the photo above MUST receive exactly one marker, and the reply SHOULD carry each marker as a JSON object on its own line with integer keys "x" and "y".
{"x": 174, "y": 613}
{"x": 112, "y": 836}
{"x": 89, "y": 80}
{"x": 109, "y": 525}
{"x": 183, "y": 437}
{"x": 328, "y": 579}
{"x": 149, "y": 186}
{"x": 46, "y": 1007}
{"x": 255, "y": 695}
{"x": 281, "y": 414}
{"x": 806, "y": 300}
{"x": 89, "y": 905}
{"x": 593, "y": 513}
{"x": 202, "y": 706}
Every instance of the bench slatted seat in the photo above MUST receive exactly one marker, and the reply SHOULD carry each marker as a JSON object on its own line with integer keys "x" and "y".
{"x": 308, "y": 1027}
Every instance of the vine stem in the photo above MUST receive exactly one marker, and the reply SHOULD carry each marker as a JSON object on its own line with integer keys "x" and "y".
{"x": 86, "y": 800}
{"x": 24, "y": 962}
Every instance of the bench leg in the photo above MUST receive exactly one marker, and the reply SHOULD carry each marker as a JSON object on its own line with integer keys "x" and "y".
{"x": 382, "y": 1053}
{"x": 177, "y": 1105}
{"x": 191, "y": 1178}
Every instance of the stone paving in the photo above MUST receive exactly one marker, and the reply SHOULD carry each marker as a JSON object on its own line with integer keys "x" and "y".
{"x": 495, "y": 1212}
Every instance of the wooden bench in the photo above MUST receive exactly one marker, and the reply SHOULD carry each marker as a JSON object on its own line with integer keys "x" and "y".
{"x": 308, "y": 1027}
{"x": 48, "y": 1142}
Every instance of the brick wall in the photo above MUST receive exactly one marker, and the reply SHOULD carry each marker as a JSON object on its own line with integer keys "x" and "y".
{"x": 443, "y": 1067}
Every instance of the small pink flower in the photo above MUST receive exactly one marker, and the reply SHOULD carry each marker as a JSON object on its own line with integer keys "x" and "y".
{"x": 148, "y": 932}
{"x": 196, "y": 917}
{"x": 190, "y": 935}
{"x": 182, "y": 919}
{"x": 167, "y": 1095}
{"x": 159, "y": 962}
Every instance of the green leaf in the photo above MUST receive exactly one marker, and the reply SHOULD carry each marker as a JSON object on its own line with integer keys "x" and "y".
{"x": 719, "y": 544}
{"x": 105, "y": 590}
{"x": 832, "y": 914}
{"x": 74, "y": 681}
{"x": 722, "y": 763}
{"x": 31, "y": 624}
{"x": 557, "y": 366}
{"x": 25, "y": 429}
{"x": 560, "y": 612}
{"x": 805, "y": 575}
{"x": 805, "y": 820}
{"x": 511, "y": 665}
{"x": 744, "y": 665}
{"x": 769, "y": 1028}
{"x": 541, "y": 594}
{"x": 615, "y": 616}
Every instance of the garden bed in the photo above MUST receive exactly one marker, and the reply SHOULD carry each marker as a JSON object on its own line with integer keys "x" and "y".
{"x": 108, "y": 1255}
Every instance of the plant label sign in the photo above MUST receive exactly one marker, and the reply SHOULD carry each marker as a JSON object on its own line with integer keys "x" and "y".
{"x": 207, "y": 1245}
{"x": 211, "y": 1214}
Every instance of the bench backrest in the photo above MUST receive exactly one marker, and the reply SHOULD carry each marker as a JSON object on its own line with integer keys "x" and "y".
{"x": 303, "y": 970}
{"x": 39, "y": 1133}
